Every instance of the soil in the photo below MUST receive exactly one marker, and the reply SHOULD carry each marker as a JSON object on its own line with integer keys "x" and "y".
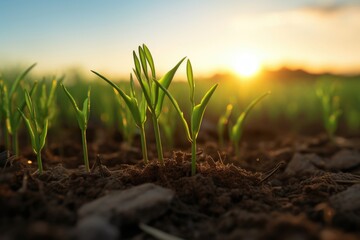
{"x": 283, "y": 186}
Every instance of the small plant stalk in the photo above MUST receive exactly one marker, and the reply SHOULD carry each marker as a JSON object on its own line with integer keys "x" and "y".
{"x": 85, "y": 152}
{"x": 143, "y": 144}
{"x": 158, "y": 139}
{"x": 39, "y": 162}
{"x": 193, "y": 157}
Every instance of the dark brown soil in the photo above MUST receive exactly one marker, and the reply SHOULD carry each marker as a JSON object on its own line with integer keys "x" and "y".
{"x": 254, "y": 197}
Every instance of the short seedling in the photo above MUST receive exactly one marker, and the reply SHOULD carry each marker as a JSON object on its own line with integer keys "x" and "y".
{"x": 37, "y": 129}
{"x": 137, "y": 109}
{"x": 10, "y": 116}
{"x": 237, "y": 129}
{"x": 330, "y": 104}
{"x": 197, "y": 112}
{"x": 82, "y": 117}
{"x": 223, "y": 123}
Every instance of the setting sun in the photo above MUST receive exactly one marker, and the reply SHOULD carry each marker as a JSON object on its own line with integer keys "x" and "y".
{"x": 246, "y": 64}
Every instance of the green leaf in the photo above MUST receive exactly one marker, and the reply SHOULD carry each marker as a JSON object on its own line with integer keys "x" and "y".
{"x": 137, "y": 65}
{"x": 17, "y": 115}
{"x": 143, "y": 62}
{"x": 145, "y": 89}
{"x": 190, "y": 78}
{"x": 236, "y": 130}
{"x": 30, "y": 105}
{"x": 19, "y": 78}
{"x": 30, "y": 130}
{"x": 150, "y": 61}
{"x": 78, "y": 113}
{"x": 165, "y": 82}
{"x": 130, "y": 102}
{"x": 178, "y": 110}
{"x": 86, "y": 107}
{"x": 42, "y": 137}
{"x": 52, "y": 93}
{"x": 198, "y": 112}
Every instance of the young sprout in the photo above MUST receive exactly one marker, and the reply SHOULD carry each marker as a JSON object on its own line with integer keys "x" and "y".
{"x": 222, "y": 123}
{"x": 37, "y": 129}
{"x": 47, "y": 101}
{"x": 82, "y": 117}
{"x": 197, "y": 112}
{"x": 330, "y": 104}
{"x": 10, "y": 116}
{"x": 137, "y": 109}
{"x": 153, "y": 95}
{"x": 237, "y": 129}
{"x": 151, "y": 92}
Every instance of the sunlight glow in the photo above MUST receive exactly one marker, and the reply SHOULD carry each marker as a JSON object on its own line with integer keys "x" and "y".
{"x": 246, "y": 64}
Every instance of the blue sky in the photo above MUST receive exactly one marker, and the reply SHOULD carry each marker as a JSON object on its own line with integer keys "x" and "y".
{"x": 318, "y": 35}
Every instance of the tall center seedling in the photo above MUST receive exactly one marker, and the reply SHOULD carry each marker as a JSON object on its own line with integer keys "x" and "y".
{"x": 153, "y": 94}
{"x": 82, "y": 117}
{"x": 197, "y": 112}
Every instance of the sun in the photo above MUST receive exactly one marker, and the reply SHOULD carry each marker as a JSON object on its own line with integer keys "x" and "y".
{"x": 246, "y": 64}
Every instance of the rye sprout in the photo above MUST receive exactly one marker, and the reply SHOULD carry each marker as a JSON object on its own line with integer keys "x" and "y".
{"x": 222, "y": 123}
{"x": 197, "y": 112}
{"x": 11, "y": 117}
{"x": 330, "y": 104}
{"x": 237, "y": 129}
{"x": 153, "y": 95}
{"x": 137, "y": 109}
{"x": 37, "y": 128}
{"x": 82, "y": 117}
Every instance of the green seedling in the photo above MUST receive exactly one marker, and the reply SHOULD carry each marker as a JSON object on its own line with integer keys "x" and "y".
{"x": 197, "y": 112}
{"x": 10, "y": 116}
{"x": 222, "y": 123}
{"x": 153, "y": 94}
{"x": 46, "y": 102}
{"x": 330, "y": 104}
{"x": 37, "y": 129}
{"x": 137, "y": 109}
{"x": 82, "y": 117}
{"x": 237, "y": 129}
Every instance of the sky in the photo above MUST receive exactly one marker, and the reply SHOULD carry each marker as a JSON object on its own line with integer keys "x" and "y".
{"x": 317, "y": 35}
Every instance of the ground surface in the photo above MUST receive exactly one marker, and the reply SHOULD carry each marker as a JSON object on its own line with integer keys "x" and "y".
{"x": 282, "y": 187}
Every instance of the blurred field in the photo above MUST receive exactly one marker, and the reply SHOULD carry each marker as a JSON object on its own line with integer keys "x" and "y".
{"x": 292, "y": 106}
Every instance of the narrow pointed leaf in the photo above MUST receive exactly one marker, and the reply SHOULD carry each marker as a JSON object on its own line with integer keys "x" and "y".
{"x": 137, "y": 65}
{"x": 236, "y": 130}
{"x": 143, "y": 62}
{"x": 189, "y": 73}
{"x": 165, "y": 82}
{"x": 72, "y": 100}
{"x": 43, "y": 134}
{"x": 178, "y": 110}
{"x": 30, "y": 130}
{"x": 198, "y": 112}
{"x": 19, "y": 78}
{"x": 130, "y": 102}
{"x": 150, "y": 61}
